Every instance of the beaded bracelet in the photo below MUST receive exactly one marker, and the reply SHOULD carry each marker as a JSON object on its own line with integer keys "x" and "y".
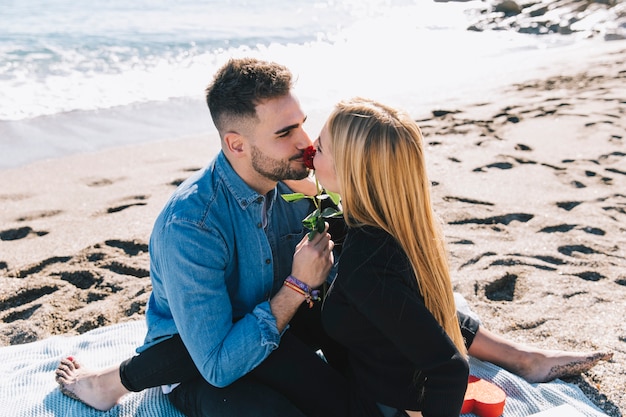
{"x": 300, "y": 287}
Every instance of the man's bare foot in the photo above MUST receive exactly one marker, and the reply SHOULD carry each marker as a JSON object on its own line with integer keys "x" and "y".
{"x": 98, "y": 389}
{"x": 547, "y": 365}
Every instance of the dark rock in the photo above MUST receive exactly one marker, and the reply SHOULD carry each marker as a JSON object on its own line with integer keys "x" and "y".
{"x": 508, "y": 7}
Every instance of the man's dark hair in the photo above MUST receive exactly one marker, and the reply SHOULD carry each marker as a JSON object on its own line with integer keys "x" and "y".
{"x": 241, "y": 84}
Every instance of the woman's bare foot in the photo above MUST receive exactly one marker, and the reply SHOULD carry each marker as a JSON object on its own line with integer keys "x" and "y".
{"x": 98, "y": 389}
{"x": 532, "y": 364}
{"x": 547, "y": 365}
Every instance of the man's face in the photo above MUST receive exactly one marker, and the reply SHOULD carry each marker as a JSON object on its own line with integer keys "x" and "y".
{"x": 278, "y": 140}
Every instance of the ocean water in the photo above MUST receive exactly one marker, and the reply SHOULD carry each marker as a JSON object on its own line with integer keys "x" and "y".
{"x": 76, "y": 76}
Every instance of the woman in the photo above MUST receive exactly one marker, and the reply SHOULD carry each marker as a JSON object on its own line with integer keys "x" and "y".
{"x": 391, "y": 304}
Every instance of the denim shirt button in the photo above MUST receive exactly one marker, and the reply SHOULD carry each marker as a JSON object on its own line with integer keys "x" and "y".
{"x": 259, "y": 225}
{"x": 259, "y": 200}
{"x": 268, "y": 261}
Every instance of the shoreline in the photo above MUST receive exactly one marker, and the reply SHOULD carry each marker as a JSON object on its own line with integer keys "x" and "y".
{"x": 528, "y": 180}
{"x": 460, "y": 83}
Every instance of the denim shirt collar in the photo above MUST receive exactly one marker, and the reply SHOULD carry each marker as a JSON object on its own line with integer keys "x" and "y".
{"x": 242, "y": 192}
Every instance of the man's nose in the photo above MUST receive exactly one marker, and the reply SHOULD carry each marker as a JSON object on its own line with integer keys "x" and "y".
{"x": 304, "y": 139}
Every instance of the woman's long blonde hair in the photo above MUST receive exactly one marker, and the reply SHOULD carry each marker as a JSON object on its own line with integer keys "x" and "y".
{"x": 380, "y": 166}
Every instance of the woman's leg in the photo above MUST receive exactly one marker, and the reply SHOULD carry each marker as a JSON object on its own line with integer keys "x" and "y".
{"x": 532, "y": 364}
{"x": 298, "y": 373}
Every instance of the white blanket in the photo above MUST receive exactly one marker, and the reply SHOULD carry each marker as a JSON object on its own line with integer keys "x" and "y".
{"x": 28, "y": 389}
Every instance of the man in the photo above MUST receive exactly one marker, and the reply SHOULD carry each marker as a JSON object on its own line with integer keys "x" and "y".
{"x": 219, "y": 253}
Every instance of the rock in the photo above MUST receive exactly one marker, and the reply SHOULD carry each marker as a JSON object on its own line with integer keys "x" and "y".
{"x": 508, "y": 7}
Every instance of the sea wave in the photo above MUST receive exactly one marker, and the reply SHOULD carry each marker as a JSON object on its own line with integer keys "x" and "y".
{"x": 57, "y": 56}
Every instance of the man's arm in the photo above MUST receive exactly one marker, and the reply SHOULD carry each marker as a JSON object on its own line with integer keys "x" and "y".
{"x": 311, "y": 264}
{"x": 222, "y": 347}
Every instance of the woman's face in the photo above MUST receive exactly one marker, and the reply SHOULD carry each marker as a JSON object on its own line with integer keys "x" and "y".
{"x": 324, "y": 163}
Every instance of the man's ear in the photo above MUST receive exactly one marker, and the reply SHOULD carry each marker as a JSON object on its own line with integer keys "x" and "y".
{"x": 235, "y": 144}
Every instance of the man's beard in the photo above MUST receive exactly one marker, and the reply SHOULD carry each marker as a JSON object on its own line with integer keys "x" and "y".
{"x": 276, "y": 169}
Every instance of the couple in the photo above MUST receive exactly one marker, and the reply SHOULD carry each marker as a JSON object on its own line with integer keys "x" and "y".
{"x": 229, "y": 331}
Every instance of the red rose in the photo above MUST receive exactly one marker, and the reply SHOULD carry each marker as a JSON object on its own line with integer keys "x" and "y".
{"x": 307, "y": 157}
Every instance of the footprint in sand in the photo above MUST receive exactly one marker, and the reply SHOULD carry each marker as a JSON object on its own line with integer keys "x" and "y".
{"x": 564, "y": 228}
{"x": 137, "y": 200}
{"x": 446, "y": 122}
{"x": 38, "y": 267}
{"x": 124, "y": 269}
{"x": 502, "y": 289}
{"x": 476, "y": 259}
{"x": 577, "y": 178}
{"x": 570, "y": 250}
{"x": 550, "y": 259}
{"x": 568, "y": 205}
{"x": 130, "y": 247}
{"x": 27, "y": 295}
{"x": 467, "y": 200}
{"x": 21, "y": 233}
{"x": 102, "y": 182}
{"x": 505, "y": 219}
{"x": 82, "y": 279}
{"x": 14, "y": 197}
{"x": 103, "y": 281}
{"x": 21, "y": 314}
{"x": 179, "y": 181}
{"x": 38, "y": 215}
{"x": 510, "y": 162}
{"x": 590, "y": 275}
{"x": 513, "y": 261}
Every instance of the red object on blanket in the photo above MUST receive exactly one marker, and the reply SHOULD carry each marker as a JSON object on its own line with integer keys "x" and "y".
{"x": 483, "y": 398}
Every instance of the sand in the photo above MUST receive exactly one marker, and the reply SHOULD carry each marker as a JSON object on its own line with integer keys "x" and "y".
{"x": 530, "y": 185}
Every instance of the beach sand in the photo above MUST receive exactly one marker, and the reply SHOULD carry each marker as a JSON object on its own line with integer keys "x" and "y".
{"x": 530, "y": 185}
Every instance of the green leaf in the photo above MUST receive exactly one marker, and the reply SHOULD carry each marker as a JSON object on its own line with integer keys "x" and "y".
{"x": 331, "y": 212}
{"x": 313, "y": 215}
{"x": 317, "y": 226}
{"x": 294, "y": 197}
{"x": 336, "y": 198}
{"x": 310, "y": 221}
{"x": 321, "y": 224}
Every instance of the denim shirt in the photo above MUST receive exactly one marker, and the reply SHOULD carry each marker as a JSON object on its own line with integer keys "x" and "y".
{"x": 215, "y": 261}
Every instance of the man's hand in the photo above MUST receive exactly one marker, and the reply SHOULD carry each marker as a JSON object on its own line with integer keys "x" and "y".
{"x": 313, "y": 259}
{"x": 311, "y": 264}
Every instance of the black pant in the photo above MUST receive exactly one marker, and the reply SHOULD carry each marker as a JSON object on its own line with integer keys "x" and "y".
{"x": 292, "y": 381}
